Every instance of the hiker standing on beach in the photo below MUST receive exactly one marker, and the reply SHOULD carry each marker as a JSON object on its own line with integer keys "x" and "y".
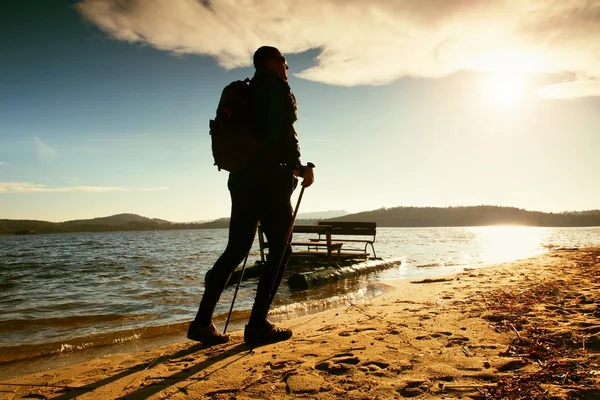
{"x": 260, "y": 193}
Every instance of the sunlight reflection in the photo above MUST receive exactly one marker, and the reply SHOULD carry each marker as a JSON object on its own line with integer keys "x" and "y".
{"x": 506, "y": 243}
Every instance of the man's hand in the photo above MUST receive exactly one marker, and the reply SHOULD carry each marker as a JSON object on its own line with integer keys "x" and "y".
{"x": 308, "y": 177}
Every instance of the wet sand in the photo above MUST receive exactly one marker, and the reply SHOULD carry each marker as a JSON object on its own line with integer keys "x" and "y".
{"x": 519, "y": 330}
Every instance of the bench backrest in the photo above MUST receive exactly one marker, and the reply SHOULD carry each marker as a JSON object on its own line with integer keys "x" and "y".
{"x": 351, "y": 228}
{"x": 321, "y": 229}
{"x": 324, "y": 230}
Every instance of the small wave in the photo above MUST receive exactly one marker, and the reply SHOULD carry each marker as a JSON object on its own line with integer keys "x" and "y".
{"x": 430, "y": 265}
{"x": 438, "y": 264}
{"x": 363, "y": 294}
{"x": 26, "y": 324}
{"x": 126, "y": 339}
{"x": 87, "y": 243}
{"x": 11, "y": 354}
{"x": 69, "y": 347}
{"x": 14, "y": 255}
{"x": 7, "y": 285}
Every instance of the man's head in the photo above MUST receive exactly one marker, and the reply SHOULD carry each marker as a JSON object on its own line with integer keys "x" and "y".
{"x": 267, "y": 57}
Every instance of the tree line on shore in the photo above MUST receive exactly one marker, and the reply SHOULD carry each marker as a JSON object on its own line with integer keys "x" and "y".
{"x": 384, "y": 217}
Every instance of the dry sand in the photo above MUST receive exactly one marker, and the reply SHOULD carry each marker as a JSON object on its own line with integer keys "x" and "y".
{"x": 521, "y": 330}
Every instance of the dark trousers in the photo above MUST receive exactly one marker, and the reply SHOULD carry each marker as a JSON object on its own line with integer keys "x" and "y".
{"x": 251, "y": 204}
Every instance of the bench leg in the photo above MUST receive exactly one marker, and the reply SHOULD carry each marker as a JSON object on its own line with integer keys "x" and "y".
{"x": 373, "y": 247}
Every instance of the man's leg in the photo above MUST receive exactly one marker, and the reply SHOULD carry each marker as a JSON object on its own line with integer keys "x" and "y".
{"x": 242, "y": 228}
{"x": 275, "y": 219}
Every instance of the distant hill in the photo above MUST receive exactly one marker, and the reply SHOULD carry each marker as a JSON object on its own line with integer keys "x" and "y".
{"x": 323, "y": 214}
{"x": 472, "y": 216}
{"x": 119, "y": 222}
{"x": 216, "y": 224}
{"x": 118, "y": 219}
{"x": 385, "y": 217}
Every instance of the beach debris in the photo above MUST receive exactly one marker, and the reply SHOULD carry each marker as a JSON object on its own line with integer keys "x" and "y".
{"x": 466, "y": 351}
{"x": 433, "y": 280}
{"x": 547, "y": 357}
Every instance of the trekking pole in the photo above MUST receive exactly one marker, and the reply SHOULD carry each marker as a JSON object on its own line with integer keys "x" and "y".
{"x": 235, "y": 293}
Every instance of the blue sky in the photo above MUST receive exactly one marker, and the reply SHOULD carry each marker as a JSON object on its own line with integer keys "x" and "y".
{"x": 104, "y": 104}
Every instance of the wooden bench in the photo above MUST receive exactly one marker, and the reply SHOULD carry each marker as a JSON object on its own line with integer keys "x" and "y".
{"x": 341, "y": 229}
{"x": 314, "y": 246}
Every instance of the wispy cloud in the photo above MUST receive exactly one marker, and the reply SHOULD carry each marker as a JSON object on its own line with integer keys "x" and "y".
{"x": 575, "y": 88}
{"x": 3, "y": 163}
{"x": 44, "y": 152}
{"x": 373, "y": 42}
{"x": 29, "y": 187}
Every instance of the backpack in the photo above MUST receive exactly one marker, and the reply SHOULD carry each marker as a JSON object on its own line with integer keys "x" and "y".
{"x": 233, "y": 140}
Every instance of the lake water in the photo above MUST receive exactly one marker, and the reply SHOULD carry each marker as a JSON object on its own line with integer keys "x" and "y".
{"x": 67, "y": 292}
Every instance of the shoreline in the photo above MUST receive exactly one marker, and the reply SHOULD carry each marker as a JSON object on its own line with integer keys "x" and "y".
{"x": 428, "y": 338}
{"x": 79, "y": 349}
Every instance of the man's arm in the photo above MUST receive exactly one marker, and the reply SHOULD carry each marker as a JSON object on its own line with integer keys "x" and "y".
{"x": 281, "y": 117}
{"x": 282, "y": 111}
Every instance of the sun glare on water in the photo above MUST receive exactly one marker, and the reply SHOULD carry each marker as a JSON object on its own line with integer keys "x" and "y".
{"x": 505, "y": 243}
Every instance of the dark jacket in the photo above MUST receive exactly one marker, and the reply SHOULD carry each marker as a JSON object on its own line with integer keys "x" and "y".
{"x": 275, "y": 111}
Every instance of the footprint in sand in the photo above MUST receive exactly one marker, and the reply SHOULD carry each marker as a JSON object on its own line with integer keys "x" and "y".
{"x": 414, "y": 389}
{"x": 376, "y": 364}
{"x": 356, "y": 331}
{"x": 512, "y": 365}
{"x": 459, "y": 339}
{"x": 279, "y": 364}
{"x": 326, "y": 328}
{"x": 341, "y": 364}
{"x": 440, "y": 334}
{"x": 377, "y": 368}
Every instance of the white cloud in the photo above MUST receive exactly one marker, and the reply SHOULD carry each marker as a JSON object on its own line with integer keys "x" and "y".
{"x": 44, "y": 152}
{"x": 3, "y": 163}
{"x": 28, "y": 187}
{"x": 576, "y": 88}
{"x": 371, "y": 42}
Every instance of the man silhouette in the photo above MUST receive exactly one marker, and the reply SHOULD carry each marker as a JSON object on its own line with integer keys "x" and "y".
{"x": 261, "y": 193}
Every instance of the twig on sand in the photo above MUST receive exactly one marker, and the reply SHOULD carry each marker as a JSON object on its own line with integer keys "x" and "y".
{"x": 516, "y": 331}
{"x": 362, "y": 311}
{"x": 466, "y": 351}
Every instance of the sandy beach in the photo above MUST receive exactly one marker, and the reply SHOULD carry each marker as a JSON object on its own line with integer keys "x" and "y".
{"x": 521, "y": 330}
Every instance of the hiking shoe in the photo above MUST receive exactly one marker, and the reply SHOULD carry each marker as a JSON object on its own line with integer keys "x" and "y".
{"x": 265, "y": 334}
{"x": 207, "y": 335}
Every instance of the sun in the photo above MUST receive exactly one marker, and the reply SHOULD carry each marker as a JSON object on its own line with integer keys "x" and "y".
{"x": 507, "y": 75}
{"x": 507, "y": 90}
